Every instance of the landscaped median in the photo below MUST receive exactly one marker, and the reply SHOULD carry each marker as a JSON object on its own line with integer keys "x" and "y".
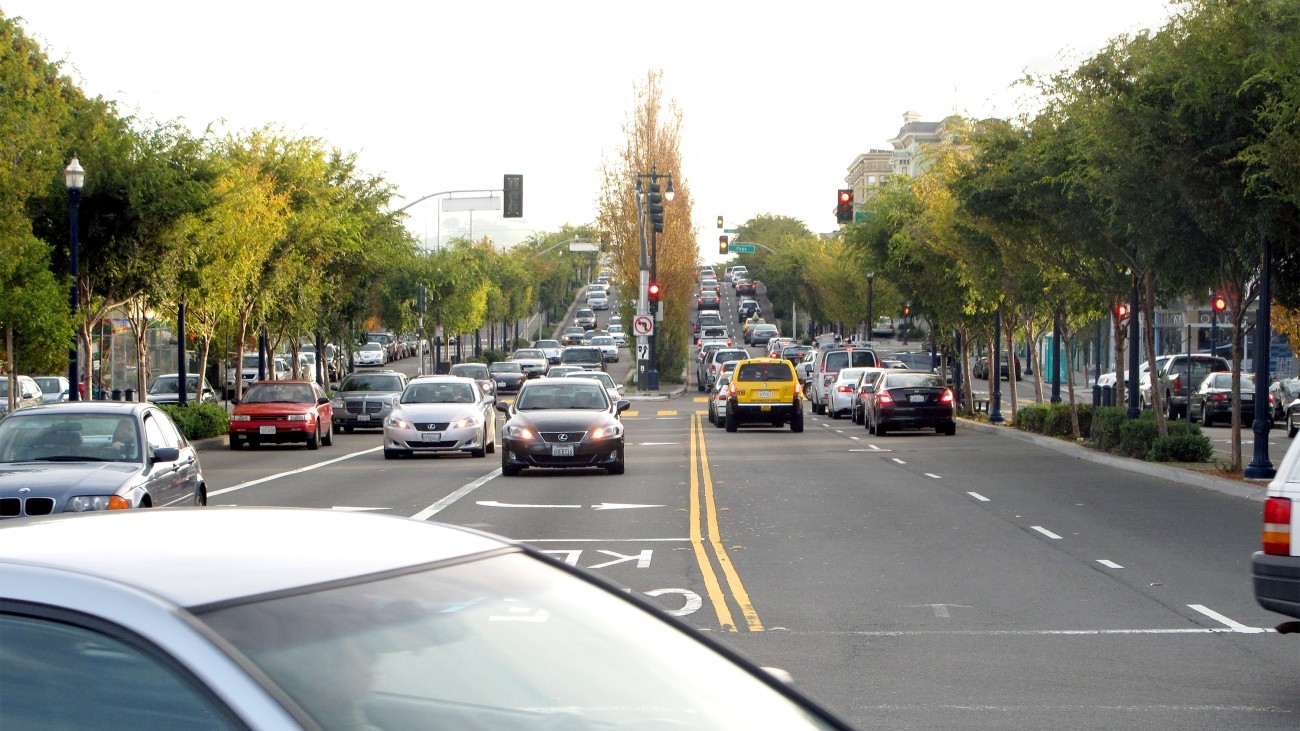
{"x": 1110, "y": 430}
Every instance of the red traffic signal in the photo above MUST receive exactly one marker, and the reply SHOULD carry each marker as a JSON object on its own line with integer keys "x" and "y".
{"x": 1220, "y": 303}
{"x": 844, "y": 206}
{"x": 652, "y": 293}
{"x": 1121, "y": 310}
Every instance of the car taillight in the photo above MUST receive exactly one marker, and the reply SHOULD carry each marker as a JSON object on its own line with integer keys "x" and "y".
{"x": 798, "y": 390}
{"x": 884, "y": 399}
{"x": 844, "y": 388}
{"x": 1220, "y": 397}
{"x": 1178, "y": 383}
{"x": 731, "y": 389}
{"x": 946, "y": 397}
{"x": 1277, "y": 526}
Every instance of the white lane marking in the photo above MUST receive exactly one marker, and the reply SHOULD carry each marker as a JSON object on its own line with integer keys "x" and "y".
{"x": 878, "y": 449}
{"x": 657, "y": 444}
{"x": 349, "y": 509}
{"x": 622, "y": 506}
{"x": 839, "y": 431}
{"x": 826, "y": 426}
{"x": 496, "y": 504}
{"x": 855, "y": 439}
{"x": 452, "y": 498}
{"x": 931, "y": 474}
{"x": 1230, "y": 624}
{"x": 978, "y": 497}
{"x": 278, "y": 475}
{"x": 606, "y": 540}
{"x": 899, "y": 460}
{"x": 1044, "y": 632}
{"x": 1046, "y": 532}
{"x": 1109, "y": 564}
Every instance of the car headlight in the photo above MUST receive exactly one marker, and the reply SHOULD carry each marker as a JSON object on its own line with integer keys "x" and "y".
{"x": 612, "y": 431}
{"x": 398, "y": 422}
{"x": 519, "y": 432}
{"x": 239, "y": 417}
{"x": 88, "y": 503}
{"x": 297, "y": 417}
{"x": 339, "y": 403}
{"x": 467, "y": 422}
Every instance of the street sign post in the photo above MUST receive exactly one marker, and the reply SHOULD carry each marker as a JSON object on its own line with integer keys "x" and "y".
{"x": 742, "y": 248}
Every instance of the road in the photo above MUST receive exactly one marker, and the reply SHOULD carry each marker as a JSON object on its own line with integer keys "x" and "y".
{"x": 909, "y": 581}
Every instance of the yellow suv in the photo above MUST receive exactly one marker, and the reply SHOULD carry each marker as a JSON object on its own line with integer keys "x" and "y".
{"x": 764, "y": 390}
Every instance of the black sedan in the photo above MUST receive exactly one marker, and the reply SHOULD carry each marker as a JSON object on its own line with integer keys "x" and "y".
{"x": 898, "y": 399}
{"x": 1212, "y": 402}
{"x": 84, "y": 456}
{"x": 507, "y": 375}
{"x": 562, "y": 422}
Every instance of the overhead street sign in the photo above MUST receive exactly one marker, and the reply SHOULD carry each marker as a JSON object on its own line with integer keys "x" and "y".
{"x": 479, "y": 203}
{"x": 583, "y": 246}
{"x": 728, "y": 230}
{"x": 742, "y": 248}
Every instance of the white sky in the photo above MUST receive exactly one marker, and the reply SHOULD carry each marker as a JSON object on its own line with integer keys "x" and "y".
{"x": 777, "y": 98}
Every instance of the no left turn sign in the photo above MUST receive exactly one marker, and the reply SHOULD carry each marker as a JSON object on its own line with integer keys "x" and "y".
{"x": 643, "y": 325}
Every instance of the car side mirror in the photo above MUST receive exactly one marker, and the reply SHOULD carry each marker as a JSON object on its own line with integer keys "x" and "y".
{"x": 503, "y": 407}
{"x": 322, "y": 400}
{"x": 623, "y": 405}
{"x": 166, "y": 454}
{"x": 489, "y": 400}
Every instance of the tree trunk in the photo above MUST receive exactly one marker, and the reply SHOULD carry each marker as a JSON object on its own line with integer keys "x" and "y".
{"x": 1148, "y": 304}
{"x": 1011, "y": 366}
{"x": 1068, "y": 336}
{"x": 1120, "y": 391}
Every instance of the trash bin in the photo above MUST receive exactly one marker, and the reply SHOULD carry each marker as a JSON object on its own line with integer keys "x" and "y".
{"x": 1107, "y": 395}
{"x": 117, "y": 394}
{"x": 443, "y": 368}
{"x": 130, "y": 394}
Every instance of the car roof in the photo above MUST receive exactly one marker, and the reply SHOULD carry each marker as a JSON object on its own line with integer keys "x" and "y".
{"x": 310, "y": 547}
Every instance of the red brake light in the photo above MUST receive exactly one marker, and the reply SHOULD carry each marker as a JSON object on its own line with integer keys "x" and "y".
{"x": 946, "y": 397}
{"x": 1277, "y": 526}
{"x": 731, "y": 388}
{"x": 844, "y": 388}
{"x": 885, "y": 398}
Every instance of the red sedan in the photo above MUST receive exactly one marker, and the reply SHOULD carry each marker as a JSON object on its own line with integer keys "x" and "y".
{"x": 275, "y": 412}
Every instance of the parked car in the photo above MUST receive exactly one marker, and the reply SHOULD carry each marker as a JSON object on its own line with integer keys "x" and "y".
{"x": 82, "y": 456}
{"x": 1212, "y": 401}
{"x": 562, "y": 422}
{"x": 441, "y": 414}
{"x": 980, "y": 367}
{"x": 1292, "y": 418}
{"x": 365, "y": 398}
{"x": 766, "y": 391}
{"x": 508, "y": 375}
{"x": 532, "y": 361}
{"x": 166, "y": 390}
{"x": 585, "y": 318}
{"x": 248, "y": 372}
{"x": 551, "y": 349}
{"x": 909, "y": 400}
{"x": 883, "y": 328}
{"x": 388, "y": 342}
{"x": 1174, "y": 381}
{"x": 372, "y": 354}
{"x": 53, "y": 388}
{"x": 28, "y": 394}
{"x": 277, "y": 412}
{"x": 1284, "y": 391}
{"x": 331, "y": 619}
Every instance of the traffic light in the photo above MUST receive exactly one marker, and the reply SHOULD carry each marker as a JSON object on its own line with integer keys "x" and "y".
{"x": 722, "y": 244}
{"x": 907, "y": 309}
{"x": 844, "y": 206}
{"x": 1220, "y": 303}
{"x": 652, "y": 293}
{"x": 513, "y": 204}
{"x": 656, "y": 200}
{"x": 1121, "y": 311}
{"x": 719, "y": 221}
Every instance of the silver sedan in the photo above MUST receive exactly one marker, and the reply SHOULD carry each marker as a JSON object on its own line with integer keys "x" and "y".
{"x": 441, "y": 414}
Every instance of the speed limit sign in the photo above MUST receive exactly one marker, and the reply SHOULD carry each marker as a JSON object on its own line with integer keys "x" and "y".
{"x": 643, "y": 325}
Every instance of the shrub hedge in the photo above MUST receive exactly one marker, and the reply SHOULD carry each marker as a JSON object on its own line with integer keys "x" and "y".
{"x": 199, "y": 421}
{"x": 1110, "y": 430}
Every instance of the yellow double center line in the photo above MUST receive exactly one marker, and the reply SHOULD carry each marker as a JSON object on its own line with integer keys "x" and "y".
{"x": 704, "y": 508}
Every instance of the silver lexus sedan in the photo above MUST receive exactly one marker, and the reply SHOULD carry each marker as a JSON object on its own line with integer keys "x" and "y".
{"x": 441, "y": 414}
{"x": 318, "y": 619}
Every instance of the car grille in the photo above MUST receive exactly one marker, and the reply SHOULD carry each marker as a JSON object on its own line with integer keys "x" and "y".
{"x": 432, "y": 425}
{"x": 13, "y": 507}
{"x": 364, "y": 407}
{"x": 563, "y": 437}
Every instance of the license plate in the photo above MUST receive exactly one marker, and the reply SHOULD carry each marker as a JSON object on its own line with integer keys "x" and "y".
{"x": 501, "y": 384}
{"x": 266, "y": 430}
{"x": 765, "y": 394}
{"x": 765, "y": 407}
{"x": 431, "y": 436}
{"x": 363, "y": 417}
{"x": 916, "y": 399}
{"x": 1248, "y": 397}
{"x": 562, "y": 450}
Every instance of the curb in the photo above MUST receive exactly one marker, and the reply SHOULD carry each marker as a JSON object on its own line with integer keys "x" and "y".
{"x": 1150, "y": 469}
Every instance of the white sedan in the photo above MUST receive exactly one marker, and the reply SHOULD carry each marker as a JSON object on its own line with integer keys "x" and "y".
{"x": 371, "y": 354}
{"x": 441, "y": 414}
{"x": 608, "y": 347}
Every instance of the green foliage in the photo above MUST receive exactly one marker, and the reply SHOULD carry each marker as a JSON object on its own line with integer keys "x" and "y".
{"x": 1053, "y": 420}
{"x": 199, "y": 421}
{"x": 1181, "y": 448}
{"x": 491, "y": 356}
{"x": 1106, "y": 424}
{"x": 1113, "y": 431}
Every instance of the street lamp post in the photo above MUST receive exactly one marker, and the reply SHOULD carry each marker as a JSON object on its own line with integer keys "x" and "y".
{"x": 1134, "y": 411}
{"x": 1261, "y": 467}
{"x": 871, "y": 295}
{"x": 74, "y": 176}
{"x": 995, "y": 371}
{"x": 1056, "y": 359}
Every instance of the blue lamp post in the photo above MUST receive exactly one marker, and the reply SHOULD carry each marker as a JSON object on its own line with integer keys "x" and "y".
{"x": 74, "y": 176}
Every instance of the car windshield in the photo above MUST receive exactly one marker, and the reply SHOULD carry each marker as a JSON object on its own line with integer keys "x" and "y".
{"x": 530, "y": 354}
{"x": 913, "y": 380}
{"x": 602, "y": 340}
{"x": 505, "y": 366}
{"x": 582, "y": 355}
{"x": 561, "y": 394}
{"x": 438, "y": 393}
{"x": 49, "y": 385}
{"x": 65, "y": 437}
{"x": 269, "y": 393}
{"x": 435, "y": 649}
{"x": 372, "y": 347}
{"x": 765, "y": 372}
{"x": 549, "y": 344}
{"x": 371, "y": 382}
{"x": 1224, "y": 381}
{"x": 604, "y": 378}
{"x": 170, "y": 384}
{"x": 477, "y": 371}
{"x": 721, "y": 356}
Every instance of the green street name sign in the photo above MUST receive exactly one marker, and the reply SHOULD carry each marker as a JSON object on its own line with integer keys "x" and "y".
{"x": 741, "y": 248}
